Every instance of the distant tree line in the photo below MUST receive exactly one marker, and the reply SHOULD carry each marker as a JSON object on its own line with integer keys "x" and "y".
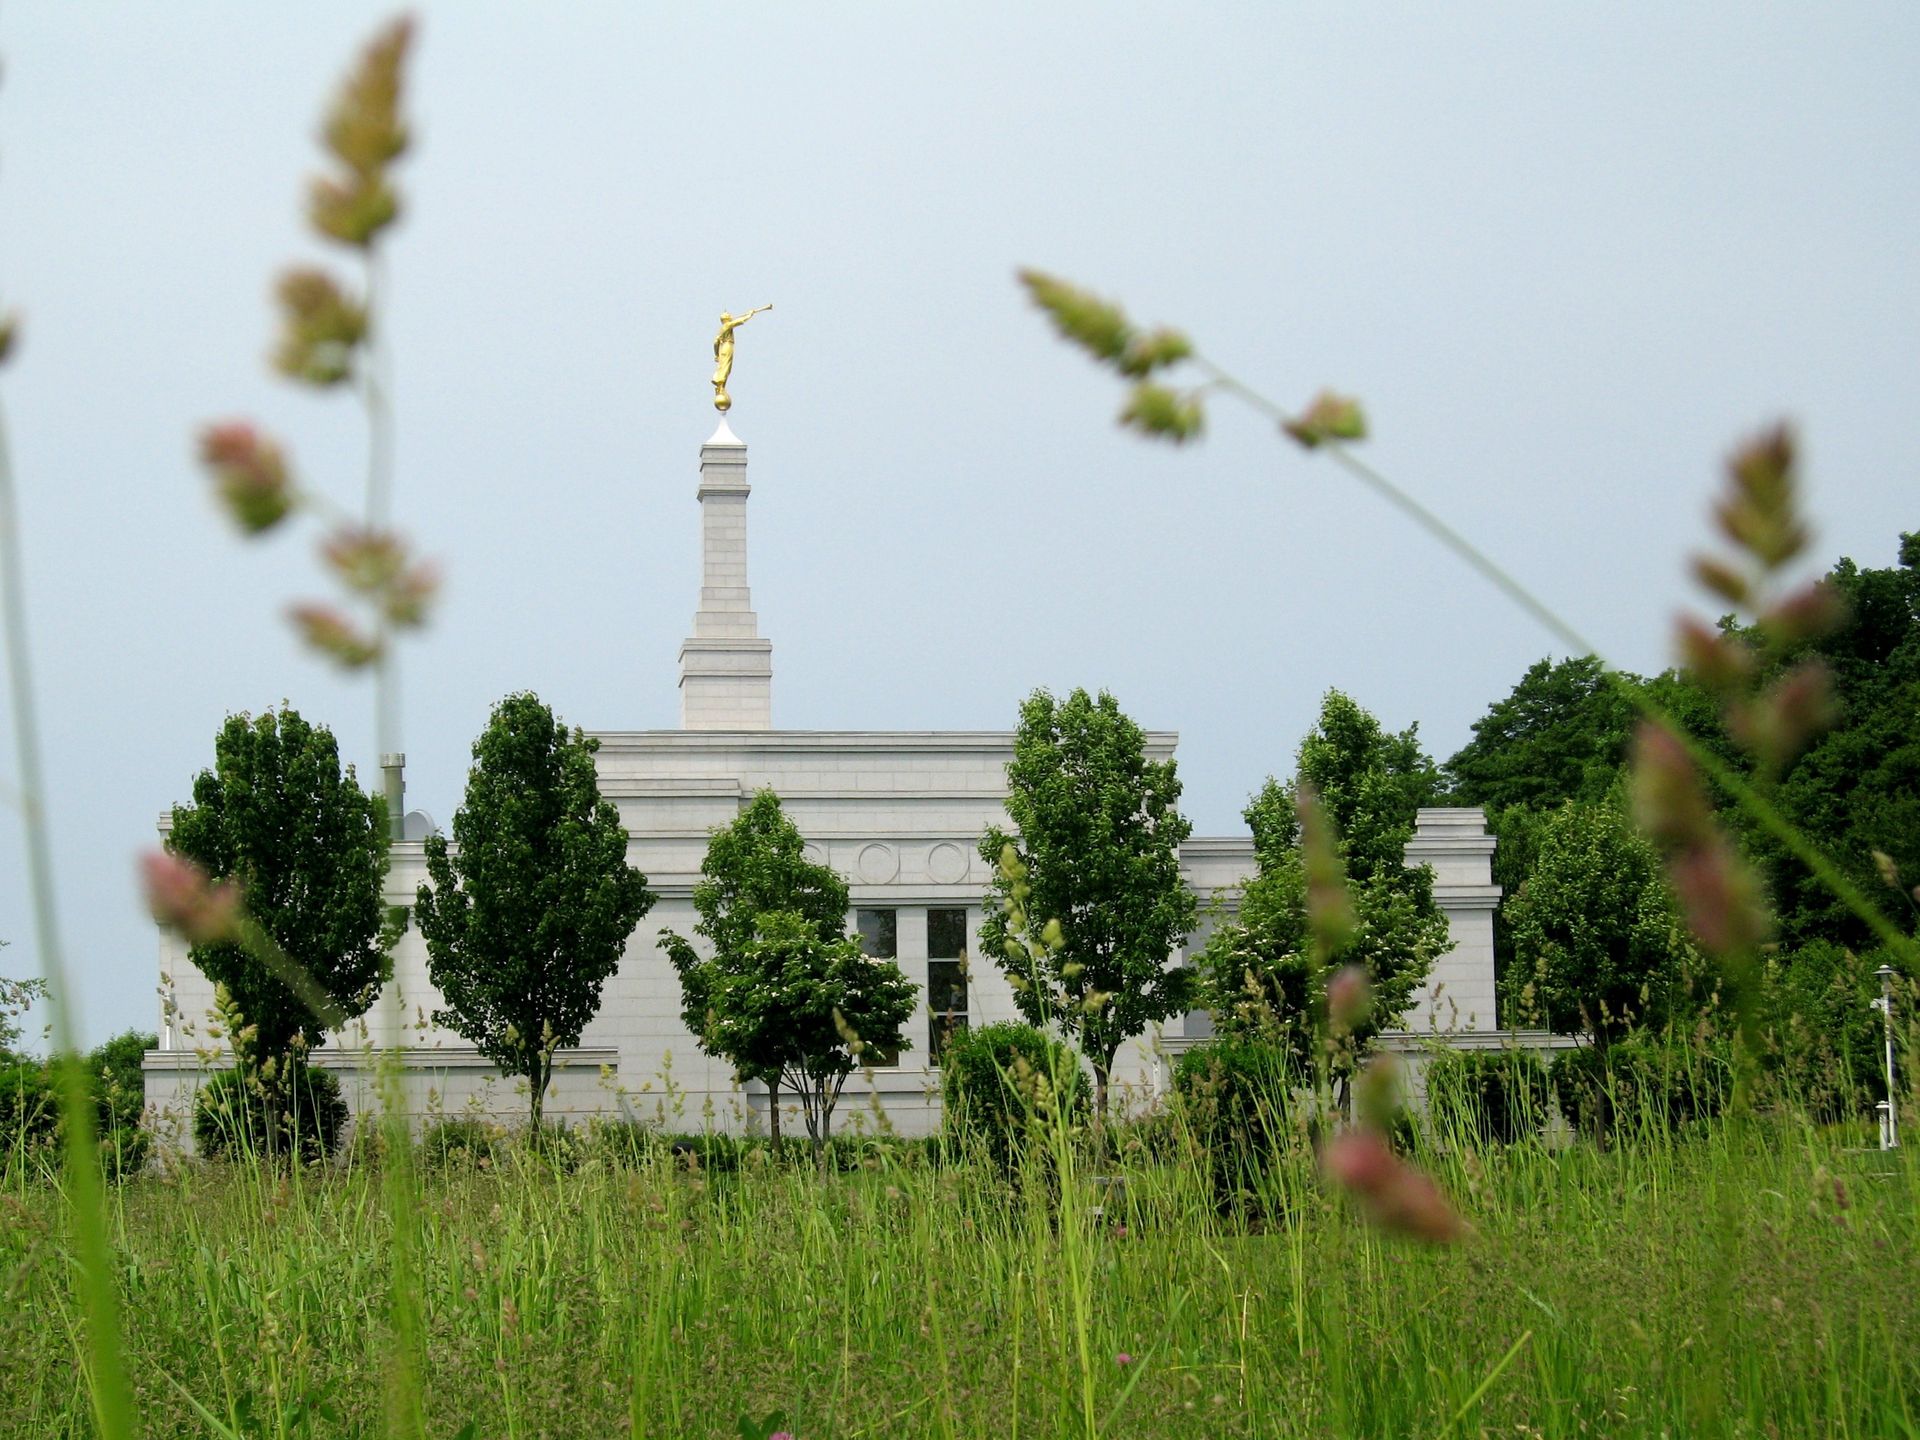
{"x": 1589, "y": 940}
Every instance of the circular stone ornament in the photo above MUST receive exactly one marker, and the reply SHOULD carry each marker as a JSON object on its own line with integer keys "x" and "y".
{"x": 878, "y": 863}
{"x": 946, "y": 864}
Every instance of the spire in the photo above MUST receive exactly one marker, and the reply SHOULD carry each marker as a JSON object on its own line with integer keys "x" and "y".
{"x": 726, "y": 669}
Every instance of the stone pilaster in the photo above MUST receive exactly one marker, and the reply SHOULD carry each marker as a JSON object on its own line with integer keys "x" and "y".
{"x": 1459, "y": 995}
{"x": 726, "y": 669}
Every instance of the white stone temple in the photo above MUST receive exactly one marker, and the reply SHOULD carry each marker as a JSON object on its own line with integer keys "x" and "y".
{"x": 898, "y": 814}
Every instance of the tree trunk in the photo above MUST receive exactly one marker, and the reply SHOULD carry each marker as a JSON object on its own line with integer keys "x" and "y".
{"x": 1102, "y": 1066}
{"x": 270, "y": 1110}
{"x": 773, "y": 1113}
{"x": 823, "y": 1131}
{"x": 537, "y": 1085}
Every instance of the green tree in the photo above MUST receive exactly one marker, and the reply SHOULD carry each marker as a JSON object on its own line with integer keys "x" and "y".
{"x": 1856, "y": 788}
{"x": 116, "y": 1067}
{"x": 1822, "y": 1036}
{"x": 527, "y": 916}
{"x": 1598, "y": 944}
{"x": 16, "y": 998}
{"x": 1098, "y": 830}
{"x": 1258, "y": 973}
{"x": 308, "y": 848}
{"x": 1560, "y": 734}
{"x": 806, "y": 1006}
{"x": 120, "y": 1090}
{"x": 1371, "y": 783}
{"x": 754, "y": 868}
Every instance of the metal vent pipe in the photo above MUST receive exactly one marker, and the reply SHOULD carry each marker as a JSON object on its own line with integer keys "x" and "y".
{"x": 393, "y": 769}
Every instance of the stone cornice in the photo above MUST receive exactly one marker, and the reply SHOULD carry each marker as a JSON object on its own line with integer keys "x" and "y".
{"x": 413, "y": 1058}
{"x": 979, "y": 742}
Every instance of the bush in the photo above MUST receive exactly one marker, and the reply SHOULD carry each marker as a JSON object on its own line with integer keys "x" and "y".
{"x": 848, "y": 1152}
{"x": 709, "y": 1151}
{"x": 29, "y": 1110}
{"x": 1822, "y": 1038}
{"x": 119, "y": 1086}
{"x": 1642, "y": 1082}
{"x": 625, "y": 1144}
{"x": 1579, "y": 1079}
{"x": 463, "y": 1143}
{"x": 1496, "y": 1096}
{"x": 239, "y": 1115}
{"x": 998, "y": 1080}
{"x": 1238, "y": 1096}
{"x": 30, "y": 1120}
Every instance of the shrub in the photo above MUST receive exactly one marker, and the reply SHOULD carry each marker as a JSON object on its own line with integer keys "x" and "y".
{"x": 1496, "y": 1096}
{"x": 29, "y": 1110}
{"x": 364, "y": 1144}
{"x": 239, "y": 1114}
{"x": 1157, "y": 1136}
{"x": 714, "y": 1152}
{"x": 626, "y": 1144}
{"x": 1822, "y": 1038}
{"x": 1238, "y": 1096}
{"x": 1645, "y": 1082}
{"x": 463, "y": 1143}
{"x": 31, "y": 1124}
{"x": 849, "y": 1152}
{"x": 1579, "y": 1079}
{"x": 119, "y": 1087}
{"x": 998, "y": 1081}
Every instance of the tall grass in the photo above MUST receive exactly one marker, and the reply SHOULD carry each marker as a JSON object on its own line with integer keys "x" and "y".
{"x": 1750, "y": 1278}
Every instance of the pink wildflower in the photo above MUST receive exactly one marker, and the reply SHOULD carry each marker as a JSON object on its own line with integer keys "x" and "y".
{"x": 1397, "y": 1194}
{"x": 180, "y": 895}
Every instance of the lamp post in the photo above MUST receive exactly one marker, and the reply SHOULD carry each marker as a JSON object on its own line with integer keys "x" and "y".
{"x": 1889, "y": 1116}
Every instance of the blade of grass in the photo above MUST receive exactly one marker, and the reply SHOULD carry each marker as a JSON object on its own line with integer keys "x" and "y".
{"x": 112, "y": 1397}
{"x": 1485, "y": 1381}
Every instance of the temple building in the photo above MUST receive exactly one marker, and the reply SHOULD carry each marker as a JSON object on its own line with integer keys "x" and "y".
{"x": 898, "y": 814}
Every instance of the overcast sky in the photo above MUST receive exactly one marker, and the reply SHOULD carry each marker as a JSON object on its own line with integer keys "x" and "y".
{"x": 1567, "y": 256}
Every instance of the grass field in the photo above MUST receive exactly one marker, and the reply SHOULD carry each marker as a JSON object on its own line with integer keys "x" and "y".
{"x": 1755, "y": 1279}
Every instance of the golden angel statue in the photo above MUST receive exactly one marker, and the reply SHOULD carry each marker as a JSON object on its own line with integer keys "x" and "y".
{"x": 723, "y": 355}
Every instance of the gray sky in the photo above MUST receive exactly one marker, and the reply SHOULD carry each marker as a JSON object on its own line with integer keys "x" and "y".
{"x": 1566, "y": 255}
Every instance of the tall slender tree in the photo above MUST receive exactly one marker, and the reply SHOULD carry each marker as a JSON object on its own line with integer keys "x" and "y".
{"x": 1598, "y": 944}
{"x": 1259, "y": 974}
{"x": 527, "y": 914}
{"x": 308, "y": 848}
{"x": 1560, "y": 734}
{"x": 1096, "y": 839}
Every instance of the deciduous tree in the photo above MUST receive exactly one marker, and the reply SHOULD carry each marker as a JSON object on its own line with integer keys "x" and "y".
{"x": 785, "y": 994}
{"x": 1560, "y": 734}
{"x": 527, "y": 913}
{"x": 1856, "y": 789}
{"x": 1259, "y": 974}
{"x": 16, "y": 998}
{"x": 1598, "y": 944}
{"x": 1096, "y": 838}
{"x": 308, "y": 848}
